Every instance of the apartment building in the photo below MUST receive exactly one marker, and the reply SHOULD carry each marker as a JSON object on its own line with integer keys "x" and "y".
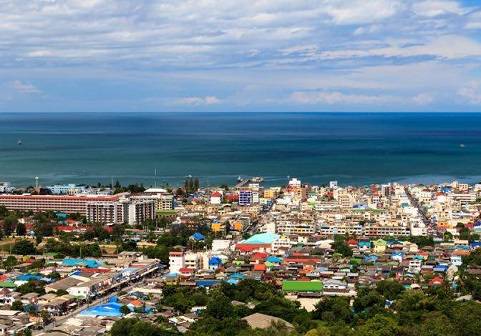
{"x": 64, "y": 203}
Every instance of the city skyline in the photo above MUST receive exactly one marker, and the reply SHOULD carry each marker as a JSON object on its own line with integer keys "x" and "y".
{"x": 376, "y": 55}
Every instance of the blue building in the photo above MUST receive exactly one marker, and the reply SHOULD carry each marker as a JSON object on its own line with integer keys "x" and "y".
{"x": 245, "y": 197}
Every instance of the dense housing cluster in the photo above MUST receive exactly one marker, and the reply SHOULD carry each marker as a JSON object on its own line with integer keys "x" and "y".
{"x": 288, "y": 260}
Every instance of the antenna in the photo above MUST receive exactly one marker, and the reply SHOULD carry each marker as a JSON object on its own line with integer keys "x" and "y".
{"x": 155, "y": 177}
{"x": 36, "y": 182}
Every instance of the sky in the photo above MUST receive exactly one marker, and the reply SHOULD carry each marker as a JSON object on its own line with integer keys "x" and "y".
{"x": 240, "y": 55}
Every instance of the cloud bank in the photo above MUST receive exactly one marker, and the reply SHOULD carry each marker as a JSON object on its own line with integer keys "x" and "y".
{"x": 176, "y": 55}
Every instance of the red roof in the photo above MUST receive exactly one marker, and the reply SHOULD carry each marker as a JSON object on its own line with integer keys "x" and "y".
{"x": 260, "y": 267}
{"x": 185, "y": 270}
{"x": 259, "y": 256}
{"x": 61, "y": 198}
{"x": 436, "y": 281}
{"x": 352, "y": 242}
{"x": 68, "y": 228}
{"x": 251, "y": 247}
{"x": 216, "y": 194}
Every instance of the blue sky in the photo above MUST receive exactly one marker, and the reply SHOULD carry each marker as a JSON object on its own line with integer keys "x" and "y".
{"x": 240, "y": 55}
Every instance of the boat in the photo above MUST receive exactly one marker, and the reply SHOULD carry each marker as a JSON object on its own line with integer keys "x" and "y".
{"x": 461, "y": 145}
{"x": 19, "y": 142}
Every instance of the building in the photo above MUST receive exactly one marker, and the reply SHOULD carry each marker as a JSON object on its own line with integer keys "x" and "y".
{"x": 63, "y": 203}
{"x": 138, "y": 211}
{"x": 6, "y": 187}
{"x": 67, "y": 189}
{"x": 106, "y": 212}
{"x": 245, "y": 197}
{"x": 176, "y": 261}
{"x": 216, "y": 198}
{"x": 163, "y": 200}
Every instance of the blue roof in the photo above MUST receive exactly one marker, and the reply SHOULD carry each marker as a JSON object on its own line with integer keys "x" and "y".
{"x": 370, "y": 258}
{"x": 237, "y": 276}
{"x": 198, "y": 236}
{"x": 110, "y": 309}
{"x": 440, "y": 268}
{"x": 206, "y": 283}
{"x": 273, "y": 259}
{"x": 215, "y": 261}
{"x": 90, "y": 263}
{"x": 475, "y": 244}
{"x": 28, "y": 277}
{"x": 262, "y": 238}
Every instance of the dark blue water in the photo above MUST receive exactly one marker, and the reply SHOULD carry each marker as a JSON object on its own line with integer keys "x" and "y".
{"x": 353, "y": 148}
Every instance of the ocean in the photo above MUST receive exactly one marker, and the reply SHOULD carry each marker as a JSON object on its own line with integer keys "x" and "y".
{"x": 352, "y": 148}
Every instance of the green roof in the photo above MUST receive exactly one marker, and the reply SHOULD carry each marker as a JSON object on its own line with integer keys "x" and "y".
{"x": 302, "y": 286}
{"x": 7, "y": 284}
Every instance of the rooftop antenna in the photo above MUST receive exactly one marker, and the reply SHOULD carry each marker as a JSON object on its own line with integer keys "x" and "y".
{"x": 36, "y": 182}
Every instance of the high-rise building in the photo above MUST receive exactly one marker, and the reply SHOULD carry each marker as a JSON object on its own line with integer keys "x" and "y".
{"x": 245, "y": 197}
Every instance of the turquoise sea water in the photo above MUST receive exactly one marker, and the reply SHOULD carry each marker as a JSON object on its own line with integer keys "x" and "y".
{"x": 353, "y": 148}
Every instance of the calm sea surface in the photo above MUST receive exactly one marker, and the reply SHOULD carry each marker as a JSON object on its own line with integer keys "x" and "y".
{"x": 353, "y": 148}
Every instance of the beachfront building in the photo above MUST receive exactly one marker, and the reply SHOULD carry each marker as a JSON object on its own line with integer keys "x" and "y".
{"x": 63, "y": 203}
{"x": 106, "y": 212}
{"x": 67, "y": 189}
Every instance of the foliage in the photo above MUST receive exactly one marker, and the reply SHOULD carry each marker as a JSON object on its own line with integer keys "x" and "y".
{"x": 184, "y": 298}
{"x": 333, "y": 309}
{"x": 17, "y": 305}
{"x": 340, "y": 246}
{"x": 9, "y": 224}
{"x": 24, "y": 247}
{"x": 125, "y": 310}
{"x": 136, "y": 327}
{"x": 32, "y": 286}
{"x": 21, "y": 230}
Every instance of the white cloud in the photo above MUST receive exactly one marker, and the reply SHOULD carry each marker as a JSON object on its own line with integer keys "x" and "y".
{"x": 336, "y": 98}
{"x": 432, "y": 8}
{"x": 25, "y": 88}
{"x": 423, "y": 99}
{"x": 361, "y": 11}
{"x": 327, "y": 51}
{"x": 198, "y": 101}
{"x": 448, "y": 47}
{"x": 471, "y": 92}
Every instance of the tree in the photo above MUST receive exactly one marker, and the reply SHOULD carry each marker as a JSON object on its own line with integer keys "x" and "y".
{"x": 464, "y": 233}
{"x": 333, "y": 309}
{"x": 341, "y": 247}
{"x": 21, "y": 229}
{"x": 196, "y": 184}
{"x": 436, "y": 324}
{"x": 379, "y": 325}
{"x": 17, "y": 305}
{"x": 220, "y": 306}
{"x": 136, "y": 327}
{"x": 9, "y": 224}
{"x": 3, "y": 211}
{"x": 10, "y": 262}
{"x": 447, "y": 236}
{"x": 467, "y": 318}
{"x": 125, "y": 310}
{"x": 54, "y": 276}
{"x": 24, "y": 247}
{"x": 390, "y": 289}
